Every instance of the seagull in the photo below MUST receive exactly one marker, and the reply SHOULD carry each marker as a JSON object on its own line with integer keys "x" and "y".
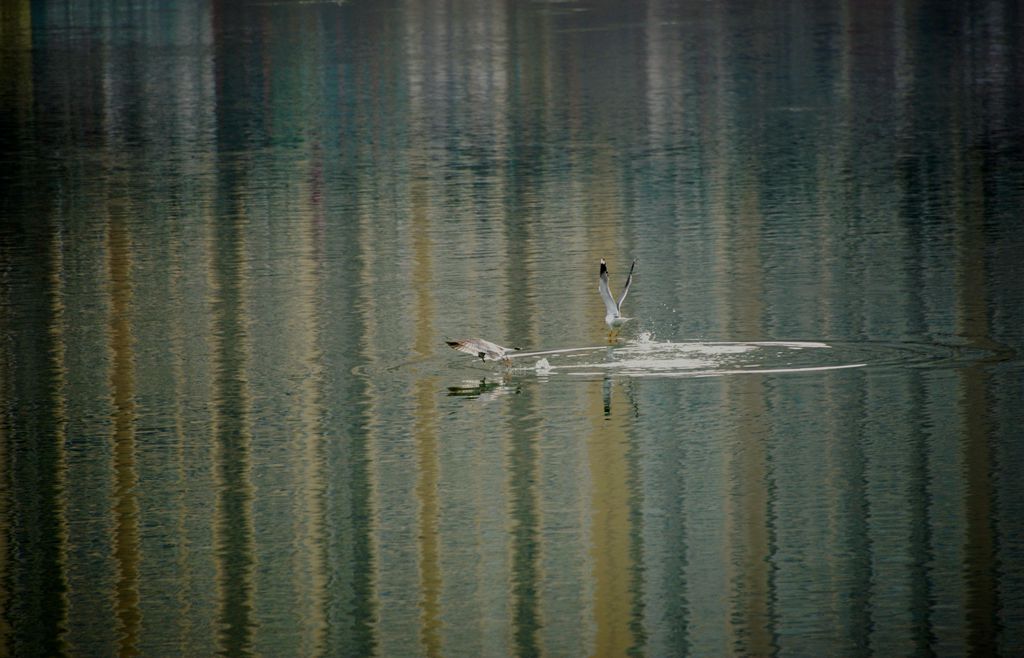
{"x": 613, "y": 318}
{"x": 484, "y": 349}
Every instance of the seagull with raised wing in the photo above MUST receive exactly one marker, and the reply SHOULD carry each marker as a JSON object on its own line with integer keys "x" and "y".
{"x": 613, "y": 316}
{"x": 485, "y": 350}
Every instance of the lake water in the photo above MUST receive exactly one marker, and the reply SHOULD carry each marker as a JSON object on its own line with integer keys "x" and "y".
{"x": 236, "y": 236}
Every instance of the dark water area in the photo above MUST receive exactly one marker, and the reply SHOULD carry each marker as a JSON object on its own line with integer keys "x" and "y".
{"x": 235, "y": 237}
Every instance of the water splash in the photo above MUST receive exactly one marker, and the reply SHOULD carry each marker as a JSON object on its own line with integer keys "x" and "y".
{"x": 643, "y": 338}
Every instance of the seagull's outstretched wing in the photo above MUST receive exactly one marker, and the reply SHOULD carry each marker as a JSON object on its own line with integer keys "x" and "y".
{"x": 606, "y": 294}
{"x": 480, "y": 348}
{"x": 629, "y": 280}
{"x": 470, "y": 346}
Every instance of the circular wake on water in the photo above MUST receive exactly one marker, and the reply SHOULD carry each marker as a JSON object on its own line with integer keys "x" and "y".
{"x": 646, "y": 357}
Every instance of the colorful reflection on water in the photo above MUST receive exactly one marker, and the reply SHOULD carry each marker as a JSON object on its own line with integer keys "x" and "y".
{"x": 236, "y": 236}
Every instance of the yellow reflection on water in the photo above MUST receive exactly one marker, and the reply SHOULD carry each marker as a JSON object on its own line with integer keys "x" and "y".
{"x": 425, "y": 429}
{"x": 607, "y": 447}
{"x": 607, "y": 451}
{"x": 16, "y": 63}
{"x": 310, "y": 576}
{"x": 746, "y": 516}
{"x": 122, "y": 386}
{"x": 748, "y": 625}
{"x": 234, "y": 533}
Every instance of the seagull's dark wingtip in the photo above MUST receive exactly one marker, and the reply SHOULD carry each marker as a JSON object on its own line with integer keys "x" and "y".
{"x": 604, "y": 267}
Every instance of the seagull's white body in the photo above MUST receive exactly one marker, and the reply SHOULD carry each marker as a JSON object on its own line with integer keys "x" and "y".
{"x": 613, "y": 316}
{"x": 485, "y": 350}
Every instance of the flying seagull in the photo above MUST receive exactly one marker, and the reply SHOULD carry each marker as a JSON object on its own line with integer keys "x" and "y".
{"x": 484, "y": 349}
{"x": 613, "y": 317}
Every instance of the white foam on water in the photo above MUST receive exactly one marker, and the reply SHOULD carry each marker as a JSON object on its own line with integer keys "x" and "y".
{"x": 696, "y": 372}
{"x": 645, "y": 357}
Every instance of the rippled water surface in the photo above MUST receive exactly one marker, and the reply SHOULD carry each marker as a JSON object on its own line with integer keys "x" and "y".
{"x": 236, "y": 236}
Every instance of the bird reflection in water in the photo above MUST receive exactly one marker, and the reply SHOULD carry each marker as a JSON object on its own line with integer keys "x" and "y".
{"x": 484, "y": 389}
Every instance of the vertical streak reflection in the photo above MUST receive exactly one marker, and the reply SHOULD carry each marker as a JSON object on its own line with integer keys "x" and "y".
{"x": 6, "y": 521}
{"x": 183, "y": 553}
{"x": 921, "y": 540}
{"x": 426, "y": 430}
{"x": 232, "y": 436}
{"x": 122, "y": 385}
{"x": 360, "y": 601}
{"x": 852, "y": 511}
{"x": 425, "y": 424}
{"x": 523, "y": 452}
{"x": 57, "y": 332}
{"x": 637, "y": 575}
{"x": 750, "y": 523}
{"x": 367, "y": 610}
{"x": 750, "y": 625}
{"x": 525, "y": 547}
{"x": 33, "y": 462}
{"x": 980, "y": 567}
{"x": 311, "y": 513}
{"x": 615, "y": 562}
{"x": 908, "y": 183}
{"x": 237, "y": 77}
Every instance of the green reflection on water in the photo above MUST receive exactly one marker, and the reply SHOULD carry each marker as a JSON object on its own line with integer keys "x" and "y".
{"x": 265, "y": 460}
